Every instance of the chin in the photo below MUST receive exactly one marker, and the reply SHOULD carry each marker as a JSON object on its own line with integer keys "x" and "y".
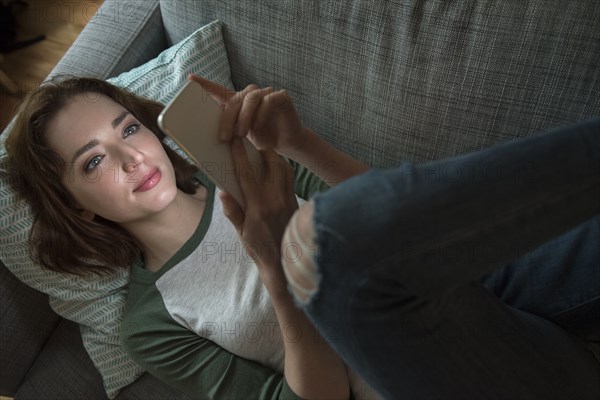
{"x": 165, "y": 198}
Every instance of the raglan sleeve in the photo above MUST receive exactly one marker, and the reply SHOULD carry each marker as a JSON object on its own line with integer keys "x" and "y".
{"x": 195, "y": 365}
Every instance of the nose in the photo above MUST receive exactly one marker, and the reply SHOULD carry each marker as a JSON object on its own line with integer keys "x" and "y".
{"x": 131, "y": 157}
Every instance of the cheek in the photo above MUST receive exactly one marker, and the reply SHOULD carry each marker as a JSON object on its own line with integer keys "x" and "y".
{"x": 94, "y": 189}
{"x": 159, "y": 150}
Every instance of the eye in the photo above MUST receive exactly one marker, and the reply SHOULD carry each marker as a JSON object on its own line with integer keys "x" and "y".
{"x": 130, "y": 130}
{"x": 94, "y": 162}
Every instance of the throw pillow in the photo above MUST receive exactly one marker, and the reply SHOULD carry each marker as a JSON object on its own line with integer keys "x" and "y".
{"x": 97, "y": 304}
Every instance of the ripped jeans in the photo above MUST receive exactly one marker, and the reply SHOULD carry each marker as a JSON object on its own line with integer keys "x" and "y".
{"x": 474, "y": 277}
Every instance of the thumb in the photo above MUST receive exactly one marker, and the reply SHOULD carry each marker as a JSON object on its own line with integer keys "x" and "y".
{"x": 232, "y": 211}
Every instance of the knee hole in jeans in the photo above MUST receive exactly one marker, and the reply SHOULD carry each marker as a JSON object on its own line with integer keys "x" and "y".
{"x": 297, "y": 253}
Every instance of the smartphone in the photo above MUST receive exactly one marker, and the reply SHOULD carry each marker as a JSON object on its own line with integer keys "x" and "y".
{"x": 192, "y": 120}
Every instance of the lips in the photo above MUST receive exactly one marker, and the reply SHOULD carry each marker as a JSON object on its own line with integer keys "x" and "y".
{"x": 149, "y": 181}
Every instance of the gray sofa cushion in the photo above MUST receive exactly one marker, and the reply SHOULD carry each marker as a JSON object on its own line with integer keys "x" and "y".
{"x": 77, "y": 373}
{"x": 63, "y": 370}
{"x": 22, "y": 334}
{"x": 390, "y": 81}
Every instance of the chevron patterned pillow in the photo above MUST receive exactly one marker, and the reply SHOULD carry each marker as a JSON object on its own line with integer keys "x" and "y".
{"x": 95, "y": 303}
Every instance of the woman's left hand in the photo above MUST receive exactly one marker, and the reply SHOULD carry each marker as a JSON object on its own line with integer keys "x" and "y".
{"x": 270, "y": 203}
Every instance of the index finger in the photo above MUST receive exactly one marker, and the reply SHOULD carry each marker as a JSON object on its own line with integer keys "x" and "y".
{"x": 278, "y": 170}
{"x": 217, "y": 91}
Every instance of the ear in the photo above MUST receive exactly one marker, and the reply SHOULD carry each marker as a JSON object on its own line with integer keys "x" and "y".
{"x": 87, "y": 215}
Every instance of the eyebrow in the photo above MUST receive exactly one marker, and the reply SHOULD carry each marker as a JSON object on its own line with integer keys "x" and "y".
{"x": 94, "y": 142}
{"x": 117, "y": 121}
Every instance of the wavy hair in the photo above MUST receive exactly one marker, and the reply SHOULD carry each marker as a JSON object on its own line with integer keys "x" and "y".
{"x": 61, "y": 239}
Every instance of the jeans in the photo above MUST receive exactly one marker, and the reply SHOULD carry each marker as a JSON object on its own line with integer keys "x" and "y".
{"x": 474, "y": 277}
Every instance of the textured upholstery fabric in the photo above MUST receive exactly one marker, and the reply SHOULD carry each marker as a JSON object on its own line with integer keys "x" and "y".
{"x": 76, "y": 370}
{"x": 22, "y": 334}
{"x": 122, "y": 35}
{"x": 414, "y": 80}
{"x": 76, "y": 374}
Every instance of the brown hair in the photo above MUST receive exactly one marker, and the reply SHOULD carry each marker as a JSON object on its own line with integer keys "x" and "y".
{"x": 61, "y": 239}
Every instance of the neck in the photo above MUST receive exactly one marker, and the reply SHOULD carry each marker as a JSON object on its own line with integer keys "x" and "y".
{"x": 163, "y": 234}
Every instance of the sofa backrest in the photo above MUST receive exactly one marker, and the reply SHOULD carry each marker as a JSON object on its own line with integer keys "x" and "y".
{"x": 413, "y": 80}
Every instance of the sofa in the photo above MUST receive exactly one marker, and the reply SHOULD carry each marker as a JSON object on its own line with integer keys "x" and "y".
{"x": 383, "y": 80}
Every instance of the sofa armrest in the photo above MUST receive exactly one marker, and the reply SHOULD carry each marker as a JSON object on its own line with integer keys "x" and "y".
{"x": 26, "y": 323}
{"x": 64, "y": 370}
{"x": 121, "y": 35}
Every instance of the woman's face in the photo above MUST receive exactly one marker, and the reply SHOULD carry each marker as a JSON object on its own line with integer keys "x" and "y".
{"x": 115, "y": 167}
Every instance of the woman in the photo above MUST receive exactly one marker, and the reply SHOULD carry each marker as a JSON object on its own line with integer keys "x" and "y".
{"x": 107, "y": 193}
{"x": 399, "y": 289}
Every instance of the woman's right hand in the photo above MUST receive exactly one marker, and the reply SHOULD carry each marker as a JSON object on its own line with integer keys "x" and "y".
{"x": 270, "y": 203}
{"x": 267, "y": 117}
{"x": 311, "y": 367}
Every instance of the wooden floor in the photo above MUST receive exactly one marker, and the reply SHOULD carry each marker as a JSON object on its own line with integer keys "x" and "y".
{"x": 60, "y": 21}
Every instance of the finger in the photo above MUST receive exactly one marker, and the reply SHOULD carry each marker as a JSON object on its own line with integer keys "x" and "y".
{"x": 252, "y": 101}
{"x": 290, "y": 183}
{"x": 276, "y": 168}
{"x": 270, "y": 157}
{"x": 276, "y": 101}
{"x": 231, "y": 111}
{"x": 280, "y": 175}
{"x": 244, "y": 172}
{"x": 232, "y": 211}
{"x": 218, "y": 92}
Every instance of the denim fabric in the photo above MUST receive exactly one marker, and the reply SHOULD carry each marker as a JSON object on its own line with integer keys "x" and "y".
{"x": 475, "y": 277}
